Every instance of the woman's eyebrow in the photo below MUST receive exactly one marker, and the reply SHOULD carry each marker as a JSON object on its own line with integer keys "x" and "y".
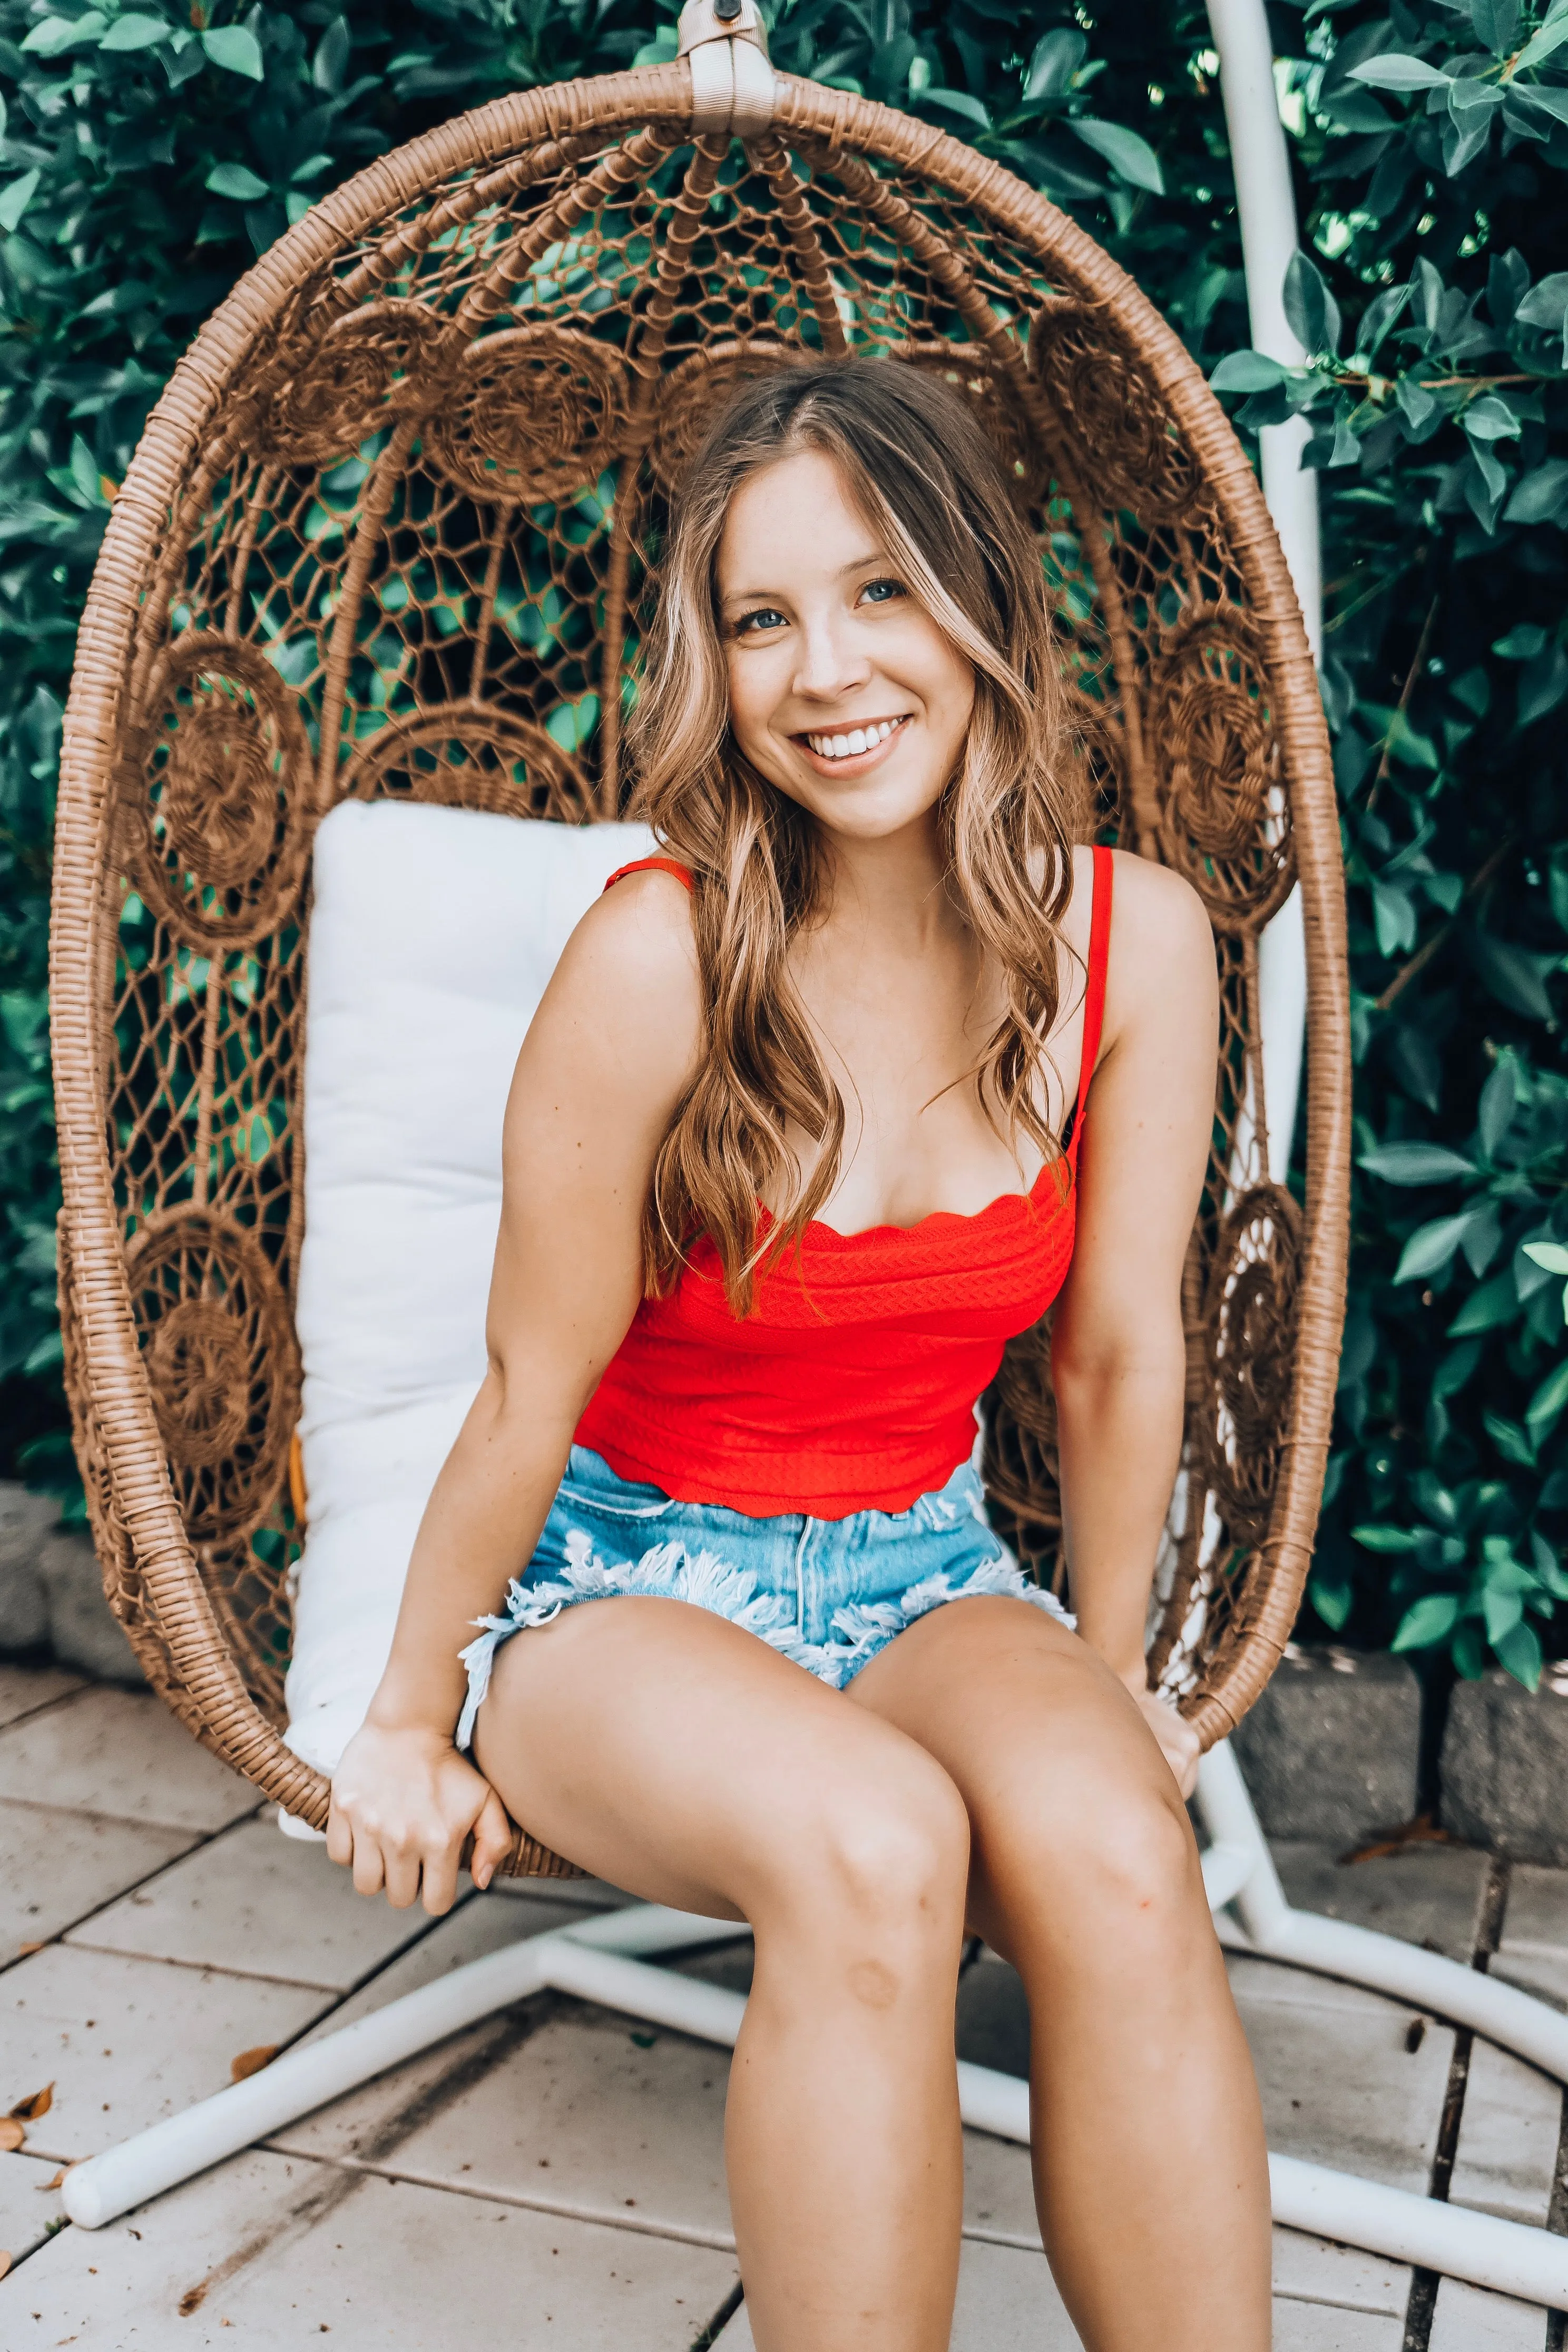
{"x": 772, "y": 595}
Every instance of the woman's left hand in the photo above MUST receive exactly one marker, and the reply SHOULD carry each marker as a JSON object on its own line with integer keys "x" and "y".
{"x": 1178, "y": 1740}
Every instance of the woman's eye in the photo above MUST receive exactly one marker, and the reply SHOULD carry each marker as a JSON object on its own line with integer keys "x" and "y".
{"x": 750, "y": 625}
{"x": 881, "y": 591}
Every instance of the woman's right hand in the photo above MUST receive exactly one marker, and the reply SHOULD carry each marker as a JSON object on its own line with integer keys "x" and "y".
{"x": 403, "y": 1802}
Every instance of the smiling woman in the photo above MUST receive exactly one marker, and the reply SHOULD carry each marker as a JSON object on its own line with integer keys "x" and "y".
{"x": 796, "y": 1141}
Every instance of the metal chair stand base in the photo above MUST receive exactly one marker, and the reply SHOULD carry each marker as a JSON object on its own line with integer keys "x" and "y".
{"x": 605, "y": 1959}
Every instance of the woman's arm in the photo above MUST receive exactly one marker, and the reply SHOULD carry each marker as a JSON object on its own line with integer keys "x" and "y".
{"x": 599, "y": 1075}
{"x": 1118, "y": 1358}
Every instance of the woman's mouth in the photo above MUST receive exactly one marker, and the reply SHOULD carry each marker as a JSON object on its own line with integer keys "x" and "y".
{"x": 851, "y": 749}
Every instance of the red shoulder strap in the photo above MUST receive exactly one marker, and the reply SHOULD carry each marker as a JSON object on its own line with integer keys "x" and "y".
{"x": 647, "y": 864}
{"x": 1094, "y": 994}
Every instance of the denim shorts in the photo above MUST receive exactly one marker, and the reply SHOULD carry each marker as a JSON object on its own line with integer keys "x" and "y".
{"x": 826, "y": 1593}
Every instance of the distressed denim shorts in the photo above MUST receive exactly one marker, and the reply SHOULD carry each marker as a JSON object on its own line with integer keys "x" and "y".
{"x": 826, "y": 1593}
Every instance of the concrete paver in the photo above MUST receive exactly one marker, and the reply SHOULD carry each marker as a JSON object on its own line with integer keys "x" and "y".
{"x": 1534, "y": 1952}
{"x": 257, "y": 1903}
{"x": 1427, "y": 1894}
{"x": 29, "y": 2207}
{"x": 555, "y": 2175}
{"x": 267, "y": 2253}
{"x": 577, "y": 2112}
{"x": 1465, "y": 2320}
{"x": 1508, "y": 2138}
{"x": 1340, "y": 2084}
{"x": 126, "y": 2041}
{"x": 57, "y": 1867}
{"x": 25, "y": 1689}
{"x": 121, "y": 1753}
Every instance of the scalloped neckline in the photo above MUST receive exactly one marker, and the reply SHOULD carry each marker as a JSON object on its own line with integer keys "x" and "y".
{"x": 939, "y": 1216}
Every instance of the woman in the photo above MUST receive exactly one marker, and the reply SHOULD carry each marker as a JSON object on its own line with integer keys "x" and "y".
{"x": 783, "y": 1169}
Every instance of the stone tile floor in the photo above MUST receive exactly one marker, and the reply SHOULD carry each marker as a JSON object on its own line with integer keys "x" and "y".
{"x": 555, "y": 2176}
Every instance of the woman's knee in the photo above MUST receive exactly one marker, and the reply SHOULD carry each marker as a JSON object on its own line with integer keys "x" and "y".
{"x": 1121, "y": 1852}
{"x": 881, "y": 1855}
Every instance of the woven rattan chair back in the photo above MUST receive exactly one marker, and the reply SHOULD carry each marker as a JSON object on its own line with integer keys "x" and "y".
{"x": 389, "y": 534}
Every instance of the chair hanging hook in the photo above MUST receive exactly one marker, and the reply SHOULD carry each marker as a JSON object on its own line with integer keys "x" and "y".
{"x": 726, "y": 43}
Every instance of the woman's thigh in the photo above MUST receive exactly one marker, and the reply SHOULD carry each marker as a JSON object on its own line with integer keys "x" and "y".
{"x": 669, "y": 1752}
{"x": 1066, "y": 1788}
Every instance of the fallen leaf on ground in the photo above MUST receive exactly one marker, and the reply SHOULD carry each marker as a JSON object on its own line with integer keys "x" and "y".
{"x": 251, "y": 2062}
{"x": 5, "y": 2264}
{"x": 35, "y": 2105}
{"x": 26, "y": 1951}
{"x": 44, "y": 2185}
{"x": 11, "y": 2133}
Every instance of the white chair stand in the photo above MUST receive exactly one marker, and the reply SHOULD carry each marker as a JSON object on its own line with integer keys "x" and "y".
{"x": 608, "y": 1958}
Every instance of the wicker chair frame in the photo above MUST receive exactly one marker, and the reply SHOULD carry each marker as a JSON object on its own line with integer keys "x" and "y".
{"x": 388, "y": 532}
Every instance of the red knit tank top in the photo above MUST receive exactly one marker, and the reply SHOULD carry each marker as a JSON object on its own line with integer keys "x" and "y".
{"x": 851, "y": 1386}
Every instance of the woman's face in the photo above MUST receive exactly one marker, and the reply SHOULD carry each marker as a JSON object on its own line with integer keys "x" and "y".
{"x": 843, "y": 691}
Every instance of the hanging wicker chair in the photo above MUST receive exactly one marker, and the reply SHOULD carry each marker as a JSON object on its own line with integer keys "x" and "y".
{"x": 389, "y": 532}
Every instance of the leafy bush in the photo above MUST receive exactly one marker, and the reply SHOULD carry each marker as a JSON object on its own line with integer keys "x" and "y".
{"x": 151, "y": 152}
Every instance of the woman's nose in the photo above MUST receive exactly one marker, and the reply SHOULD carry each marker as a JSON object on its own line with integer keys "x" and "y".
{"x": 831, "y": 663}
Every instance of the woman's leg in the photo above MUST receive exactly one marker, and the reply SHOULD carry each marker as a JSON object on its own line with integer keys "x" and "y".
{"x": 681, "y": 1758}
{"x": 1150, "y": 2171}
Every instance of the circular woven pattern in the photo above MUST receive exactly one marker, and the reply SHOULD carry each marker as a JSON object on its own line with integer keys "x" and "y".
{"x": 1119, "y": 436}
{"x": 532, "y": 413}
{"x": 971, "y": 371}
{"x": 383, "y": 359}
{"x": 1212, "y": 735}
{"x": 221, "y": 768}
{"x": 1249, "y": 1347}
{"x": 218, "y": 1345}
{"x": 471, "y": 755}
{"x": 691, "y": 394}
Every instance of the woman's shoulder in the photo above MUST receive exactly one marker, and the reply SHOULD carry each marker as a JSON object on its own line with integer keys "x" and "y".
{"x": 630, "y": 966}
{"x": 1162, "y": 941}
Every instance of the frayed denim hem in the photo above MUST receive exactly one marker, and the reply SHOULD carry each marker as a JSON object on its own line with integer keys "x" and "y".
{"x": 668, "y": 1572}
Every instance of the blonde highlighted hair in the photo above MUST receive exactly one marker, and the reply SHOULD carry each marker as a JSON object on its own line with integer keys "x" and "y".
{"x": 915, "y": 460}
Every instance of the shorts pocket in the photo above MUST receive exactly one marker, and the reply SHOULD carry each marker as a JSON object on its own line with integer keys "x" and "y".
{"x": 591, "y": 1485}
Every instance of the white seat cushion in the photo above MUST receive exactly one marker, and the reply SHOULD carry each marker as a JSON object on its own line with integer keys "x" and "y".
{"x": 433, "y": 934}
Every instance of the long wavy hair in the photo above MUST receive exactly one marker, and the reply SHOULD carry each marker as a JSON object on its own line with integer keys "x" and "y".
{"x": 918, "y": 464}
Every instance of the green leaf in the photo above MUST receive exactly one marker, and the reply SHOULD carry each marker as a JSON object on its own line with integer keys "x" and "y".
{"x": 1496, "y": 23}
{"x": 1543, "y": 684}
{"x": 1520, "y": 1651}
{"x": 1542, "y": 495}
{"x": 1510, "y": 1441}
{"x": 1545, "y": 1407}
{"x": 1130, "y": 158}
{"x": 1331, "y": 1599}
{"x": 959, "y": 102}
{"x": 15, "y": 200}
{"x": 235, "y": 49}
{"x": 1312, "y": 310}
{"x": 1494, "y": 1112}
{"x": 1431, "y": 1246}
{"x": 1055, "y": 60}
{"x": 1550, "y": 1254}
{"x": 1515, "y": 976}
{"x": 1495, "y": 1302}
{"x": 136, "y": 32}
{"x": 1491, "y": 419}
{"x": 1248, "y": 372}
{"x": 54, "y": 35}
{"x": 1398, "y": 72}
{"x": 1542, "y": 43}
{"x": 234, "y": 180}
{"x": 1430, "y": 1620}
{"x": 1414, "y": 1163}
{"x": 1375, "y": 1538}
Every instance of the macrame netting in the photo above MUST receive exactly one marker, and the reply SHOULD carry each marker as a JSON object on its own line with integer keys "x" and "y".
{"x": 391, "y": 533}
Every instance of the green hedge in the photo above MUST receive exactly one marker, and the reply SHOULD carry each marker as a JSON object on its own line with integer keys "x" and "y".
{"x": 150, "y": 152}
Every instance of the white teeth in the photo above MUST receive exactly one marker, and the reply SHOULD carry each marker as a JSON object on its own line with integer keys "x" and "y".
{"x": 859, "y": 738}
